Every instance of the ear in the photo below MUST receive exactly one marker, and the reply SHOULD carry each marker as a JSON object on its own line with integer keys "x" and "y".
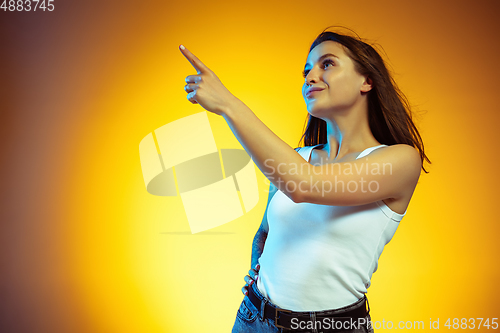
{"x": 367, "y": 85}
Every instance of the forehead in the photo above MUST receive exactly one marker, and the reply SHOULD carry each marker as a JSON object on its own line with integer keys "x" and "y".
{"x": 324, "y": 48}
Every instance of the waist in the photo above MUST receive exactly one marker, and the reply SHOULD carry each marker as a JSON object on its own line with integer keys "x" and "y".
{"x": 283, "y": 318}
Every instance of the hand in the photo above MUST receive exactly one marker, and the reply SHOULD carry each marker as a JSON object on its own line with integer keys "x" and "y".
{"x": 251, "y": 278}
{"x": 205, "y": 88}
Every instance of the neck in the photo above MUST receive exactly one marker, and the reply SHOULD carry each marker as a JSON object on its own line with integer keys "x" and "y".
{"x": 348, "y": 132}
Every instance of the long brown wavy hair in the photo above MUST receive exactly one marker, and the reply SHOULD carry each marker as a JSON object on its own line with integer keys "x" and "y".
{"x": 389, "y": 112}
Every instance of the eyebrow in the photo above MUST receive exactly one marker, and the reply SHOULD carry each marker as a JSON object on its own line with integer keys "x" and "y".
{"x": 326, "y": 55}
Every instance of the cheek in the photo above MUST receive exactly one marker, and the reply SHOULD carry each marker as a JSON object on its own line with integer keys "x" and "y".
{"x": 341, "y": 85}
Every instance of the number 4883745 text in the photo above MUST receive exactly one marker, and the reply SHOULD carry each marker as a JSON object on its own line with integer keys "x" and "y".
{"x": 27, "y": 5}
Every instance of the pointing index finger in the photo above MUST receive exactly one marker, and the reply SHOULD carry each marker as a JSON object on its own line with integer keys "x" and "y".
{"x": 195, "y": 62}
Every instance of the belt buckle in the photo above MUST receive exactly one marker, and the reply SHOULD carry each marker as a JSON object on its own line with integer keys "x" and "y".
{"x": 276, "y": 317}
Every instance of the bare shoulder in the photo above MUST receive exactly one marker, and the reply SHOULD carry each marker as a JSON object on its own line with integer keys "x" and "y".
{"x": 404, "y": 158}
{"x": 407, "y": 152}
{"x": 404, "y": 151}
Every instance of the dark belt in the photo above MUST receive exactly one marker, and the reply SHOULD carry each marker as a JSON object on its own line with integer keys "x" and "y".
{"x": 283, "y": 318}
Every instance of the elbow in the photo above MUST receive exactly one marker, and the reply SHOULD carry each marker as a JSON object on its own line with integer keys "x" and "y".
{"x": 296, "y": 196}
{"x": 298, "y": 199}
{"x": 297, "y": 191}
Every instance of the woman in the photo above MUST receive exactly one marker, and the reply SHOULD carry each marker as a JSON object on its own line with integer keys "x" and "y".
{"x": 340, "y": 198}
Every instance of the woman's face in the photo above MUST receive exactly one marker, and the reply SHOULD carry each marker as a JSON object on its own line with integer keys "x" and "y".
{"x": 331, "y": 72}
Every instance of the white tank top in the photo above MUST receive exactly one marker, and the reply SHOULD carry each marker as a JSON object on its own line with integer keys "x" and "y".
{"x": 320, "y": 257}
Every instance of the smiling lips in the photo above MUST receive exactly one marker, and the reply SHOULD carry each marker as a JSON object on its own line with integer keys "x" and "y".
{"x": 311, "y": 90}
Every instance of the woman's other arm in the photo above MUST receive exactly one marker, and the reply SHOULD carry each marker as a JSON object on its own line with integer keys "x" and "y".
{"x": 258, "y": 245}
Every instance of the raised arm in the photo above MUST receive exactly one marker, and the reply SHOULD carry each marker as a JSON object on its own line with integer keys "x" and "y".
{"x": 288, "y": 171}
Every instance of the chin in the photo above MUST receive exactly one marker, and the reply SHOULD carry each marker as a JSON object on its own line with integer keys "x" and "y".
{"x": 318, "y": 111}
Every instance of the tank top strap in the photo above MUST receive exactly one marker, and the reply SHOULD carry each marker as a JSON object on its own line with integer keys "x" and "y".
{"x": 369, "y": 150}
{"x": 305, "y": 152}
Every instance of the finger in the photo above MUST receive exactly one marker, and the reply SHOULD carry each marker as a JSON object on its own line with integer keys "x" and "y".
{"x": 252, "y": 273}
{"x": 190, "y": 87}
{"x": 244, "y": 291}
{"x": 257, "y": 267}
{"x": 195, "y": 62}
{"x": 249, "y": 280}
{"x": 192, "y": 97}
{"x": 193, "y": 79}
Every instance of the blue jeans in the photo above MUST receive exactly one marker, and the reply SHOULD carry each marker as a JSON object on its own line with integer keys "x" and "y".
{"x": 249, "y": 319}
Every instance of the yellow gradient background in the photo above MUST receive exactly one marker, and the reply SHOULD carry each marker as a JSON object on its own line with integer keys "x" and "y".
{"x": 84, "y": 247}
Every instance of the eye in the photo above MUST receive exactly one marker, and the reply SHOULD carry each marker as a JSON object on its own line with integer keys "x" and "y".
{"x": 327, "y": 62}
{"x": 324, "y": 64}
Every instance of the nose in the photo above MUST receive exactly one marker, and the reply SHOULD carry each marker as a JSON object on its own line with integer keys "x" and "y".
{"x": 311, "y": 78}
